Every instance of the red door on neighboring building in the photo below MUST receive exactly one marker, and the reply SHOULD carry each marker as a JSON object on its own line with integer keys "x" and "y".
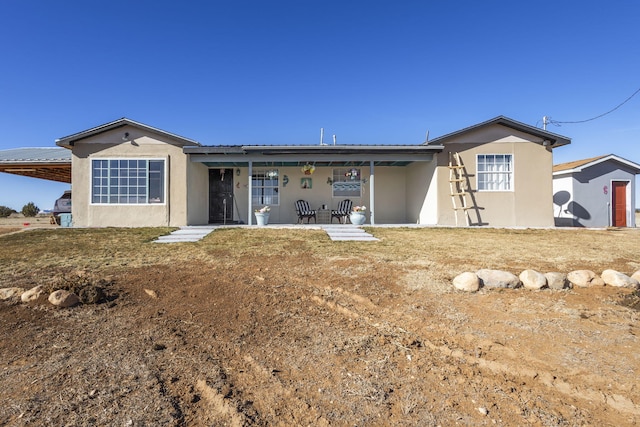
{"x": 619, "y": 204}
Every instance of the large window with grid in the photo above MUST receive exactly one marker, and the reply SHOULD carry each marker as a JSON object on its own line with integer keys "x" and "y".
{"x": 347, "y": 182}
{"x": 265, "y": 187}
{"x": 495, "y": 172}
{"x": 127, "y": 181}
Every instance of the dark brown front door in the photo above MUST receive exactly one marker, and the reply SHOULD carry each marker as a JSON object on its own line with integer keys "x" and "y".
{"x": 619, "y": 204}
{"x": 220, "y": 195}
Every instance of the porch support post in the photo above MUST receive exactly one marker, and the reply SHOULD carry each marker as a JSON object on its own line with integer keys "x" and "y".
{"x": 250, "y": 211}
{"x": 372, "y": 192}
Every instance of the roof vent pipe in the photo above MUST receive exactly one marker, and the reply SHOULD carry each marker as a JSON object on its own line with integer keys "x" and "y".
{"x": 334, "y": 140}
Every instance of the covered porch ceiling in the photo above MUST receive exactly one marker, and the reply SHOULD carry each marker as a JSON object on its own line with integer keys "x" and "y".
{"x": 277, "y": 164}
{"x": 319, "y": 156}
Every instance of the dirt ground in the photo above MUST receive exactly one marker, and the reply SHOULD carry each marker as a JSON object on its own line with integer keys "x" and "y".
{"x": 283, "y": 328}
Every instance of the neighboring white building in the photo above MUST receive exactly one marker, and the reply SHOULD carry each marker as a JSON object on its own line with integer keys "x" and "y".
{"x": 595, "y": 192}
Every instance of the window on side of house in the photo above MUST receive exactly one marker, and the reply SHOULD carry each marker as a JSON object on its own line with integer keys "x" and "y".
{"x": 347, "y": 182}
{"x": 495, "y": 172}
{"x": 127, "y": 181}
{"x": 265, "y": 187}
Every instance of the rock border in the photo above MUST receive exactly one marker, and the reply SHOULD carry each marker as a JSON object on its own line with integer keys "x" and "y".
{"x": 535, "y": 280}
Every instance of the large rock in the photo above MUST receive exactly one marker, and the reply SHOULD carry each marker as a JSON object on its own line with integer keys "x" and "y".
{"x": 10, "y": 293}
{"x": 498, "y": 279}
{"x": 63, "y": 298}
{"x": 636, "y": 275}
{"x": 467, "y": 281}
{"x": 615, "y": 278}
{"x": 532, "y": 279}
{"x": 556, "y": 280}
{"x": 584, "y": 278}
{"x": 32, "y": 294}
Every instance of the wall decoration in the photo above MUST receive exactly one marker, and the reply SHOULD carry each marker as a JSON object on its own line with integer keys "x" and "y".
{"x": 308, "y": 169}
{"x": 305, "y": 183}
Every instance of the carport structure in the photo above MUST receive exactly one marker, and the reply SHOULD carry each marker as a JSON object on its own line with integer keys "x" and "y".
{"x": 53, "y": 164}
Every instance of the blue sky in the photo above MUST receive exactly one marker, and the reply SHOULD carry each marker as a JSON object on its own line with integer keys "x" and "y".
{"x": 275, "y": 72}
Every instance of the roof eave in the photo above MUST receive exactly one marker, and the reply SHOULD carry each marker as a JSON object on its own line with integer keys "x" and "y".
{"x": 314, "y": 149}
{"x": 555, "y": 140}
{"x": 580, "y": 168}
{"x": 70, "y": 140}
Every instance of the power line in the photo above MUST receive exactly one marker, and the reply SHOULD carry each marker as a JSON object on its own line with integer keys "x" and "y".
{"x": 558, "y": 123}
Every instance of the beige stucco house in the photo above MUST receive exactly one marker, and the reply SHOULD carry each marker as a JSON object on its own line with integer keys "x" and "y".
{"x": 125, "y": 173}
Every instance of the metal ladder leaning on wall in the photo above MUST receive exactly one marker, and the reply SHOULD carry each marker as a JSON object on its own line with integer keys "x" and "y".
{"x": 458, "y": 186}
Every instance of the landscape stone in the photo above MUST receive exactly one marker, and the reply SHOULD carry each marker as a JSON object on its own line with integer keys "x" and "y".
{"x": 556, "y": 280}
{"x": 9, "y": 293}
{"x": 63, "y": 298}
{"x": 498, "y": 279}
{"x": 636, "y": 275}
{"x": 32, "y": 294}
{"x": 467, "y": 281}
{"x": 532, "y": 279}
{"x": 584, "y": 278}
{"x": 615, "y": 278}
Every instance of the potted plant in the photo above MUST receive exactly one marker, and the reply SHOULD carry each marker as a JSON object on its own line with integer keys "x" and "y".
{"x": 262, "y": 215}
{"x": 357, "y": 216}
{"x": 308, "y": 169}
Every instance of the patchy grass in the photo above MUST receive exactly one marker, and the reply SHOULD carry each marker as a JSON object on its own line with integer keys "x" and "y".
{"x": 262, "y": 326}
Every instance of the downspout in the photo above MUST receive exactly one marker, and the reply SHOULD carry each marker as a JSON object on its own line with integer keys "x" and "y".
{"x": 249, "y": 216}
{"x": 372, "y": 193}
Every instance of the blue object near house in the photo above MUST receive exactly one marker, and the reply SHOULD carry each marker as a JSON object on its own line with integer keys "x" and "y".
{"x": 65, "y": 220}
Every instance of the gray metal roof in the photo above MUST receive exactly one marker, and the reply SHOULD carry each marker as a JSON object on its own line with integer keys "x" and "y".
{"x": 318, "y": 155}
{"x": 53, "y": 164}
{"x": 36, "y": 154}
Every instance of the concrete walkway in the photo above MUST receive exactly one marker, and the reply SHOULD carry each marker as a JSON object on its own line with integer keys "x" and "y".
{"x": 347, "y": 232}
{"x": 187, "y": 234}
{"x": 341, "y": 232}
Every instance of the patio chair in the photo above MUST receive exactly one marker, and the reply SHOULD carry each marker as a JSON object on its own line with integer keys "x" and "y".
{"x": 343, "y": 211}
{"x": 304, "y": 211}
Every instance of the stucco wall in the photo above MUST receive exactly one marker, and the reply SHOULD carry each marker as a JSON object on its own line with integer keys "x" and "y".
{"x": 197, "y": 194}
{"x": 109, "y": 145}
{"x": 562, "y": 200}
{"x": 421, "y": 189}
{"x": 285, "y": 212}
{"x": 530, "y": 203}
{"x": 390, "y": 199}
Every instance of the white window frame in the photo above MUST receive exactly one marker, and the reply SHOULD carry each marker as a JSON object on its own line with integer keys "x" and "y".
{"x": 267, "y": 191}
{"x": 491, "y": 174}
{"x": 346, "y": 185}
{"x": 136, "y": 188}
